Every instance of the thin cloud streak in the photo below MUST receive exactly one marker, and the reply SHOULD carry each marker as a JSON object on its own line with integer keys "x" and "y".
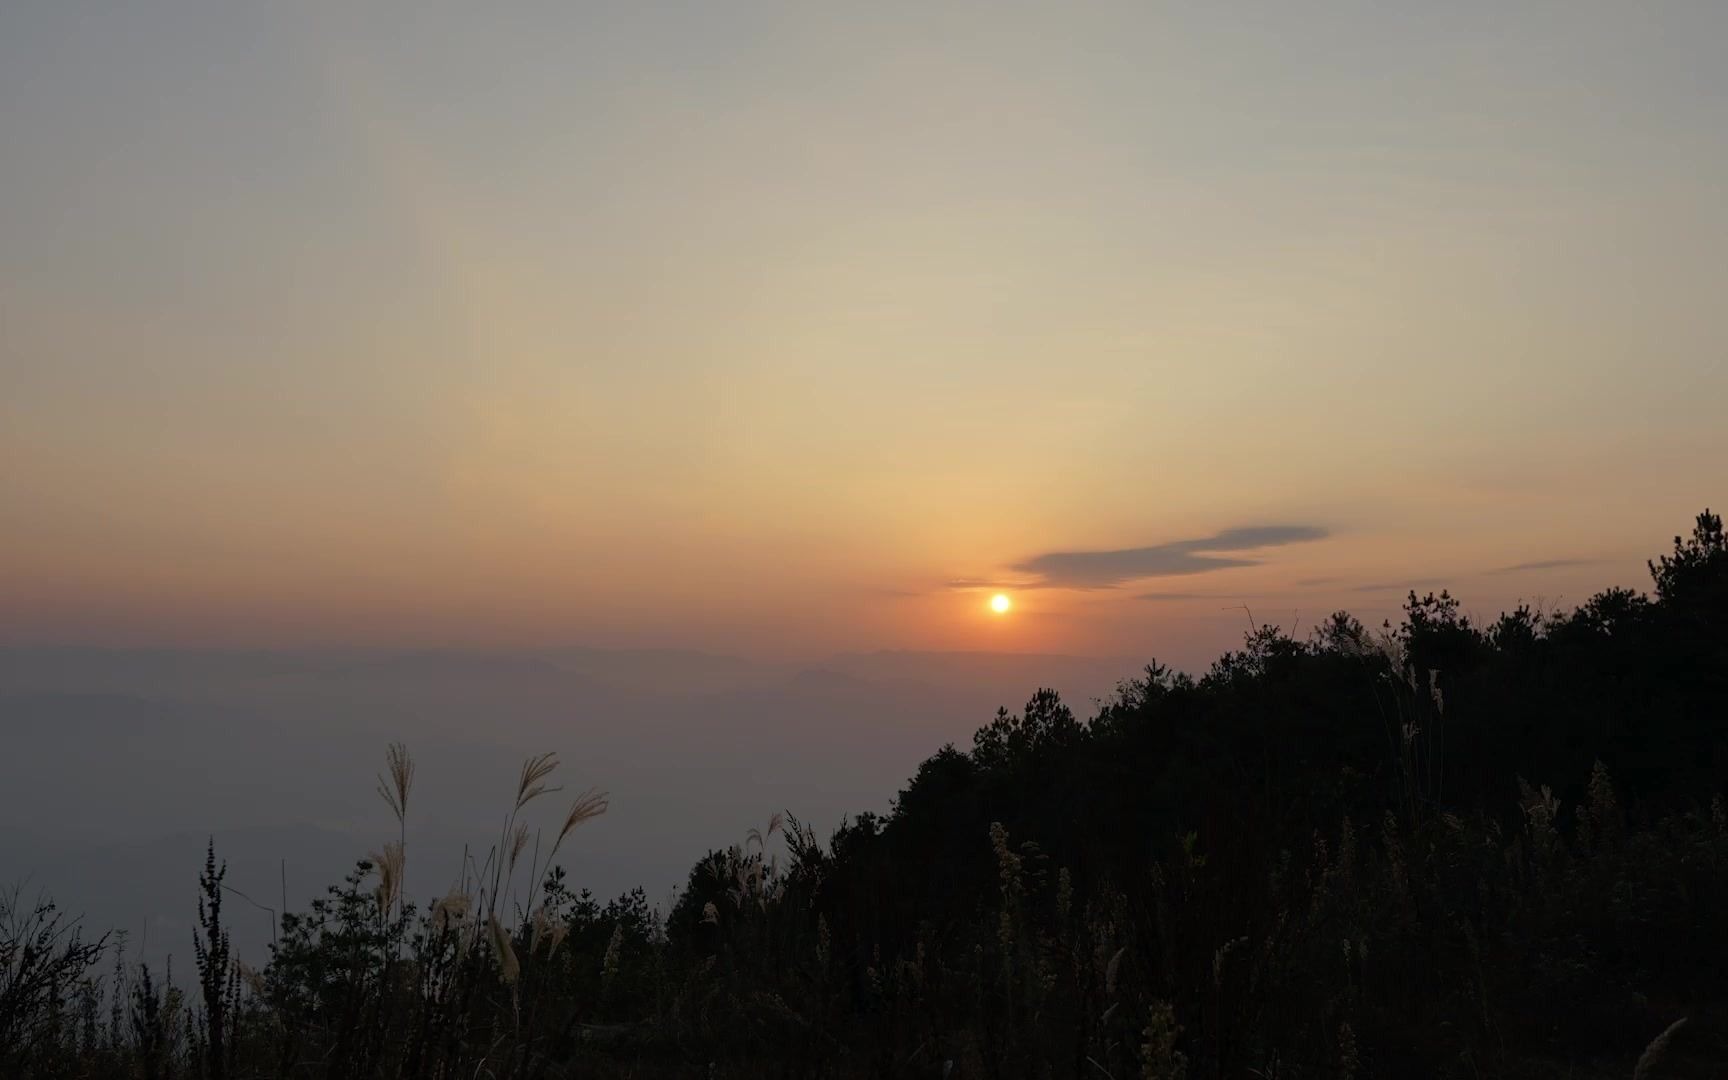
{"x": 1108, "y": 569}
{"x": 1396, "y": 586}
{"x": 1005, "y": 586}
{"x": 1542, "y": 564}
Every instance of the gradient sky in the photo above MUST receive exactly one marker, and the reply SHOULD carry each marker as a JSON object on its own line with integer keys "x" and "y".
{"x": 783, "y": 328}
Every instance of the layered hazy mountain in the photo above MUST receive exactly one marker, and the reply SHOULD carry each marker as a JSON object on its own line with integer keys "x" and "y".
{"x": 121, "y": 763}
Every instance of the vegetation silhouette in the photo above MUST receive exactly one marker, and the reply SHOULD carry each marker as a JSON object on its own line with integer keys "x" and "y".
{"x": 1433, "y": 849}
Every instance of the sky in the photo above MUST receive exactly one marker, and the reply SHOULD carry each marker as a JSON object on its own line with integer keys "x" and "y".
{"x": 786, "y": 328}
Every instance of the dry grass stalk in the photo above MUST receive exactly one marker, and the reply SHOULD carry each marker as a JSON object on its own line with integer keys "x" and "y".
{"x": 253, "y": 980}
{"x": 449, "y": 910}
{"x": 390, "y": 865}
{"x": 394, "y": 791}
{"x": 776, "y": 821}
{"x": 588, "y": 805}
{"x": 1652, "y": 1056}
{"x": 541, "y": 925}
{"x": 518, "y": 841}
{"x": 614, "y": 949}
{"x": 1111, "y": 969}
{"x": 532, "y": 783}
{"x": 508, "y": 966}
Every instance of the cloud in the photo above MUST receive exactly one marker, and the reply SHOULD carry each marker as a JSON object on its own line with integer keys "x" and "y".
{"x": 1162, "y": 596}
{"x": 1005, "y": 586}
{"x": 1544, "y": 564}
{"x": 1397, "y": 586}
{"x": 1108, "y": 569}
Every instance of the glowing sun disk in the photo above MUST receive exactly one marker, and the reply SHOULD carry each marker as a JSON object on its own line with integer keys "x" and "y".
{"x": 1000, "y": 603}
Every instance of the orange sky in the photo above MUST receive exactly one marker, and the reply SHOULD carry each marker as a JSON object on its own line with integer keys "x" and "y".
{"x": 634, "y": 326}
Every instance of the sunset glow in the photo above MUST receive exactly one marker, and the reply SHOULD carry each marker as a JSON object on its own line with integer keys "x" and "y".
{"x": 564, "y": 364}
{"x": 936, "y": 492}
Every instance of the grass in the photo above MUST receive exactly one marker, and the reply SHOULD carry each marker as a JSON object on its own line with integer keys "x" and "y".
{"x": 1174, "y": 887}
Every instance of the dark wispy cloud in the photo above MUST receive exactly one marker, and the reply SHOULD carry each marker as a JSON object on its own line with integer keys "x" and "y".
{"x": 1163, "y": 596}
{"x": 988, "y": 583}
{"x": 1544, "y": 564}
{"x": 1108, "y": 569}
{"x": 1397, "y": 586}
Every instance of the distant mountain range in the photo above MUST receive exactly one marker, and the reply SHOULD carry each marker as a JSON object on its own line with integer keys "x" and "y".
{"x": 122, "y": 762}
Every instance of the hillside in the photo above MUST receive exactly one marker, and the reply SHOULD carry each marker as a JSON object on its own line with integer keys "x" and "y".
{"x": 1433, "y": 848}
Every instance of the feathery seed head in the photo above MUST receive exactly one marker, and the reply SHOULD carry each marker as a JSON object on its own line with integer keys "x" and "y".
{"x": 589, "y": 804}
{"x": 394, "y": 790}
{"x": 508, "y": 966}
{"x": 532, "y": 783}
{"x": 518, "y": 842}
{"x": 541, "y": 924}
{"x": 252, "y": 979}
{"x": 1111, "y": 970}
{"x": 390, "y": 865}
{"x": 1658, "y": 1048}
{"x": 614, "y": 947}
{"x": 452, "y": 908}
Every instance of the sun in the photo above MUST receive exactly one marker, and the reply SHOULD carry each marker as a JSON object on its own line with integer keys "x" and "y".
{"x": 1000, "y": 603}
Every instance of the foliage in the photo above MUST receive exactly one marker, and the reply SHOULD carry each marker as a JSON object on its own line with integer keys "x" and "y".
{"x": 1436, "y": 849}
